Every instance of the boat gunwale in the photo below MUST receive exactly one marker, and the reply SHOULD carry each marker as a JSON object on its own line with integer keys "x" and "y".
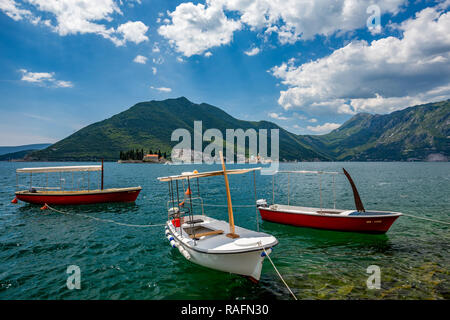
{"x": 194, "y": 248}
{"x": 388, "y": 214}
{"x": 76, "y": 192}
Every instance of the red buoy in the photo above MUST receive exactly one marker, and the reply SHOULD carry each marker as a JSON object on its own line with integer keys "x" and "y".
{"x": 14, "y": 200}
{"x": 44, "y": 207}
{"x": 188, "y": 192}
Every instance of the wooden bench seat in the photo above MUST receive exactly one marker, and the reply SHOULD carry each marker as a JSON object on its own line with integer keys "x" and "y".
{"x": 209, "y": 233}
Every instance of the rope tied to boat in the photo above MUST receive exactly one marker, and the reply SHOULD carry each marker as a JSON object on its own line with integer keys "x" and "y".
{"x": 234, "y": 206}
{"x": 423, "y": 218}
{"x": 46, "y": 206}
{"x": 279, "y": 274}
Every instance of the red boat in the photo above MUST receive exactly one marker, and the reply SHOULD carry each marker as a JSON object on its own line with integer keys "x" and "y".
{"x": 73, "y": 196}
{"x": 358, "y": 220}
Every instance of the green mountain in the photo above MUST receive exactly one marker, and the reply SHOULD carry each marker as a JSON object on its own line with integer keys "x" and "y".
{"x": 149, "y": 125}
{"x": 413, "y": 133}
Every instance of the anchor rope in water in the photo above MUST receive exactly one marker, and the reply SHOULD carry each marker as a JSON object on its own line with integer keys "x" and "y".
{"x": 106, "y": 220}
{"x": 234, "y": 206}
{"x": 423, "y": 218}
{"x": 279, "y": 274}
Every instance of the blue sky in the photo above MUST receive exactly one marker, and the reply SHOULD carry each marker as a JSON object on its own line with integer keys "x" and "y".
{"x": 306, "y": 65}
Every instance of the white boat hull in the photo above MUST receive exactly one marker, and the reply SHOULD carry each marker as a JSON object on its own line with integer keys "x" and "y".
{"x": 246, "y": 263}
{"x": 241, "y": 261}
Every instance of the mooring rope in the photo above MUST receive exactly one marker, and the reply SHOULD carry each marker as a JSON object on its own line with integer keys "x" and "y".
{"x": 423, "y": 218}
{"x": 267, "y": 255}
{"x": 234, "y": 206}
{"x": 106, "y": 220}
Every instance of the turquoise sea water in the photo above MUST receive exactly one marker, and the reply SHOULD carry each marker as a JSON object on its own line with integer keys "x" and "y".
{"x": 119, "y": 262}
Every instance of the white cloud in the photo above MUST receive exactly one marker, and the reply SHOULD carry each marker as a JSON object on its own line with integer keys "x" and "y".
{"x": 252, "y": 52}
{"x": 155, "y": 48}
{"x": 196, "y": 28}
{"x": 154, "y": 70}
{"x": 11, "y": 9}
{"x": 159, "y": 60}
{"x": 324, "y": 128}
{"x": 36, "y": 76}
{"x": 68, "y": 17}
{"x": 293, "y": 20}
{"x": 63, "y": 84}
{"x": 384, "y": 75}
{"x": 277, "y": 116}
{"x": 133, "y": 31}
{"x": 161, "y": 89}
{"x": 140, "y": 59}
{"x": 44, "y": 78}
{"x": 208, "y": 54}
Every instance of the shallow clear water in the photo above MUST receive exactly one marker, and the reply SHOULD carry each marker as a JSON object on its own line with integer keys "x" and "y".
{"x": 119, "y": 262}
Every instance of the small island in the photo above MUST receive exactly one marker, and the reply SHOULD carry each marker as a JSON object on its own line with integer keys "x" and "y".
{"x": 139, "y": 156}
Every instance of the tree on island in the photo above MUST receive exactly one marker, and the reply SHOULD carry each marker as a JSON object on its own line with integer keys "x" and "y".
{"x": 136, "y": 154}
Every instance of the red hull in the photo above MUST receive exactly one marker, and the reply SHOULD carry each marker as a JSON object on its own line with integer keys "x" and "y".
{"x": 115, "y": 195}
{"x": 369, "y": 224}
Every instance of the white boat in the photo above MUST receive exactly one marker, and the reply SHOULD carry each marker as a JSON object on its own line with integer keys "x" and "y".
{"x": 209, "y": 242}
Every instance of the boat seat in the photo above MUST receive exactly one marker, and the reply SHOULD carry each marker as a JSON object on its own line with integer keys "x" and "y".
{"x": 193, "y": 221}
{"x": 209, "y": 233}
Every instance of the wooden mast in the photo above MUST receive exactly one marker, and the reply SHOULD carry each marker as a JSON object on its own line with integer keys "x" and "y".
{"x": 232, "y": 234}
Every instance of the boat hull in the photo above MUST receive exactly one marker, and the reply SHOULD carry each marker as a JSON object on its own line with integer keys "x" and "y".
{"x": 245, "y": 263}
{"x": 363, "y": 224}
{"x": 80, "y": 197}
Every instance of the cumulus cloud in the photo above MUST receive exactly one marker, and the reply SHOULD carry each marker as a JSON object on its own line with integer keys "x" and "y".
{"x": 140, "y": 59}
{"x": 12, "y": 10}
{"x": 133, "y": 32}
{"x": 159, "y": 60}
{"x": 381, "y": 76}
{"x": 44, "y": 78}
{"x": 277, "y": 116}
{"x": 63, "y": 84}
{"x": 194, "y": 29}
{"x": 324, "y": 128}
{"x": 155, "y": 47}
{"x": 68, "y": 17}
{"x": 252, "y": 52}
{"x": 161, "y": 89}
{"x": 293, "y": 20}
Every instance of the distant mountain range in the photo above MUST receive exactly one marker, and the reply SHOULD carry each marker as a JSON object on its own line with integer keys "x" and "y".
{"x": 19, "y": 152}
{"x": 11, "y": 149}
{"x": 416, "y": 133}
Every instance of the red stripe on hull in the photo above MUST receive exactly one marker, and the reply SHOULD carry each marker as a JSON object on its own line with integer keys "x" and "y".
{"x": 122, "y": 196}
{"x": 354, "y": 224}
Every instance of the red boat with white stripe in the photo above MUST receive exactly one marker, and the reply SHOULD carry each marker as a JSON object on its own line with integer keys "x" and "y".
{"x": 358, "y": 220}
